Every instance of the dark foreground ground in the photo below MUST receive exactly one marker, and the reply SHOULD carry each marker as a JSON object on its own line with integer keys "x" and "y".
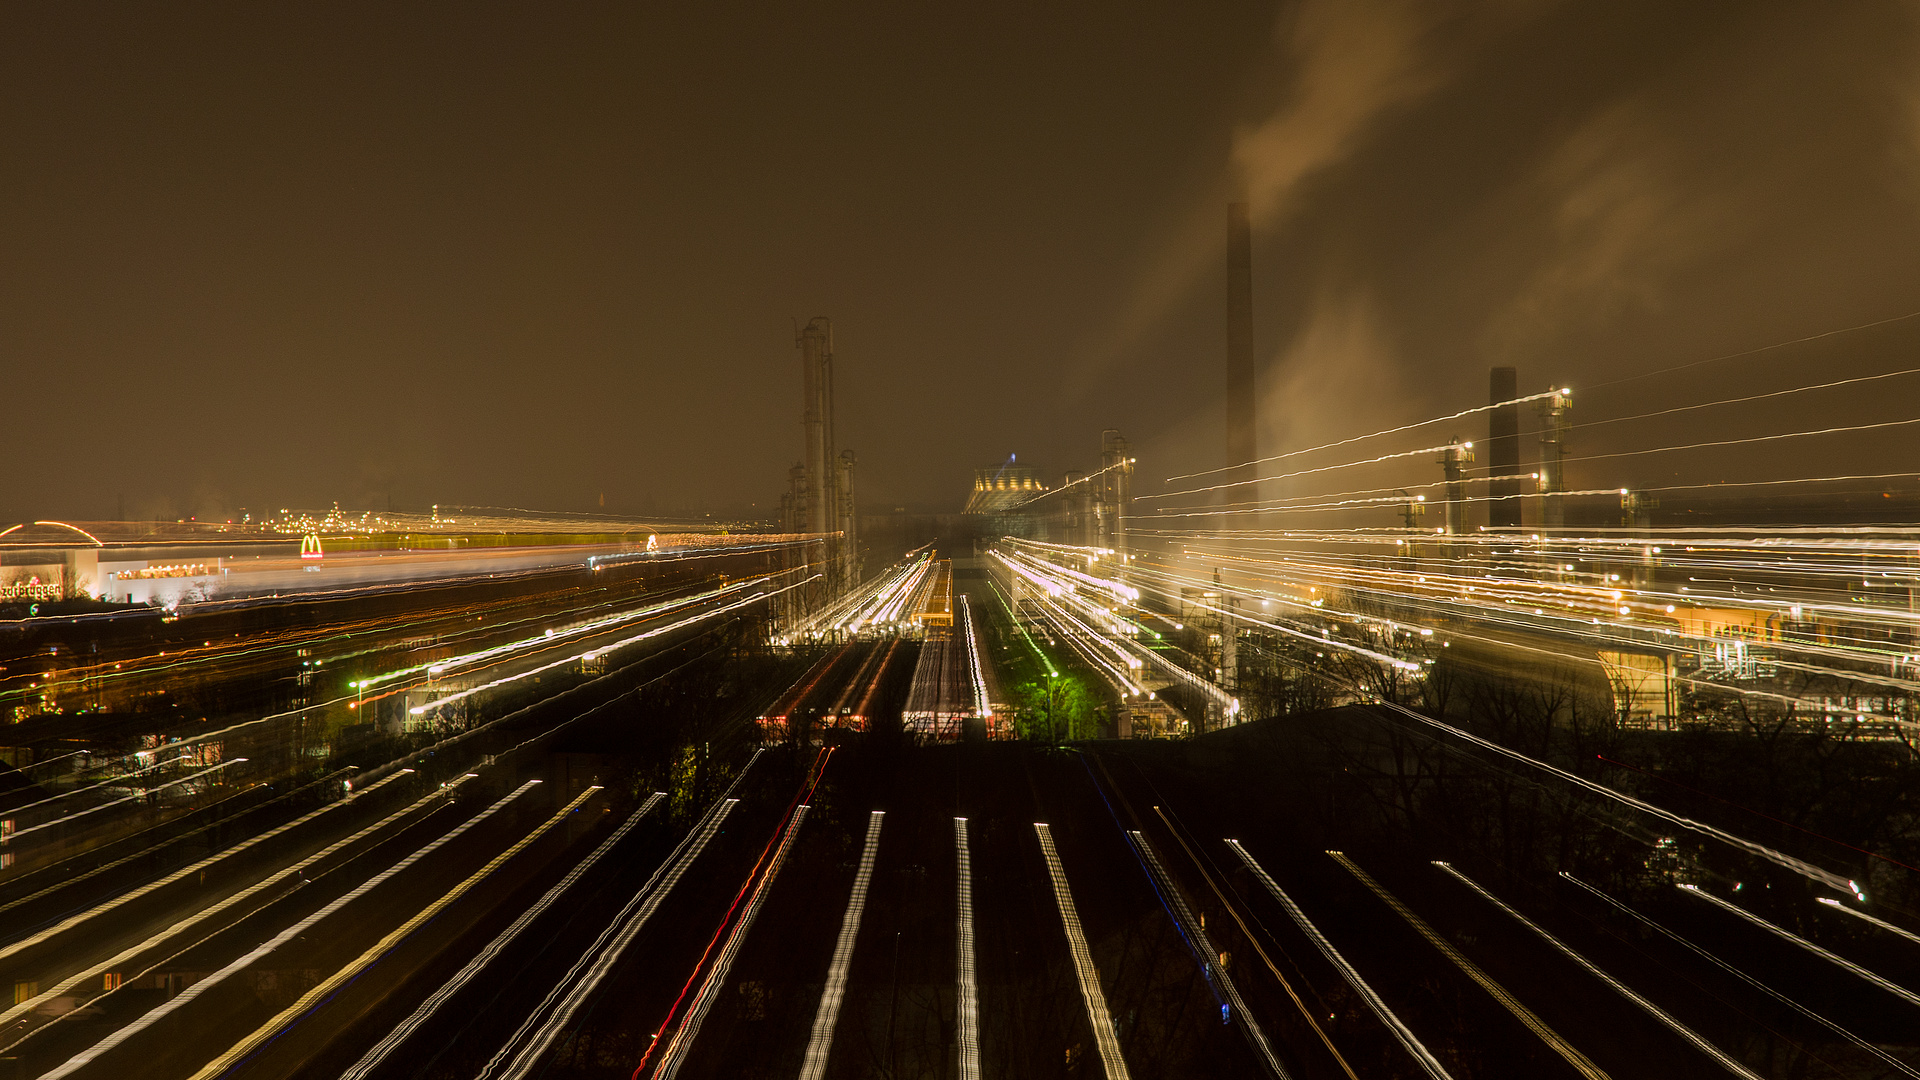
{"x": 1289, "y": 790}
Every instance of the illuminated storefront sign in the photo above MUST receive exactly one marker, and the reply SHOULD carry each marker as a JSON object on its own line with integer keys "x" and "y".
{"x": 30, "y": 588}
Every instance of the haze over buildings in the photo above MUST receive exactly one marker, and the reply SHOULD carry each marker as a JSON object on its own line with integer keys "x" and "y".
{"x": 278, "y": 257}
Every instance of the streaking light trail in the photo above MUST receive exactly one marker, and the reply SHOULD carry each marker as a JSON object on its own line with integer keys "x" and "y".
{"x": 591, "y": 969}
{"x": 1798, "y": 866}
{"x": 1096, "y": 1001}
{"x": 333, "y": 983}
{"x": 1411, "y": 1042}
{"x": 1615, "y": 985}
{"x": 814, "y": 1066}
{"x": 1580, "y": 1062}
{"x": 372, "y": 1059}
{"x": 1881, "y": 923}
{"x": 91, "y": 810}
{"x": 601, "y": 650}
{"x": 1784, "y": 934}
{"x": 967, "y": 989}
{"x": 1197, "y": 933}
{"x": 187, "y": 996}
{"x": 682, "y": 1042}
{"x": 1885, "y": 1058}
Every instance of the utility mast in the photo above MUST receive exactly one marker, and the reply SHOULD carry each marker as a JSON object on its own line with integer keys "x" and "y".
{"x": 1454, "y": 462}
{"x": 1554, "y": 422}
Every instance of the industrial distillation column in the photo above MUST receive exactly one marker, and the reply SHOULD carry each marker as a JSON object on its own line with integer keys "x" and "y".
{"x": 816, "y": 365}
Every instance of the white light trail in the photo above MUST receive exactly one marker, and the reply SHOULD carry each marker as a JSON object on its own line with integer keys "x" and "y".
{"x": 1582, "y": 426}
{"x": 91, "y": 810}
{"x": 1798, "y": 866}
{"x": 1749, "y": 440}
{"x": 367, "y": 683}
{"x": 1120, "y": 591}
{"x": 1192, "y": 928}
{"x": 1751, "y": 397}
{"x": 967, "y": 989}
{"x": 95, "y": 787}
{"x": 1408, "y": 1039}
{"x": 600, "y": 650}
{"x": 1784, "y": 934}
{"x": 1122, "y": 463}
{"x": 1374, "y": 435}
{"x": 1580, "y": 1062}
{"x": 1052, "y": 601}
{"x": 891, "y": 605}
{"x": 1322, "y": 469}
{"x": 557, "y": 637}
{"x": 521, "y": 1053}
{"x": 1096, "y": 1001}
{"x": 187, "y": 996}
{"x": 372, "y": 1059}
{"x": 1349, "y": 499}
{"x": 1881, "y": 923}
{"x": 1762, "y": 349}
{"x": 1111, "y": 634}
{"x": 1649, "y": 1007}
{"x": 1335, "y": 643}
{"x": 1164, "y": 514}
{"x": 1487, "y": 600}
{"x": 981, "y": 707}
{"x": 1047, "y": 585}
{"x": 91, "y": 976}
{"x": 880, "y": 600}
{"x": 1885, "y": 1058}
{"x": 185, "y": 872}
{"x": 333, "y": 984}
{"x": 1084, "y": 642}
{"x": 814, "y": 1066}
{"x": 682, "y": 1042}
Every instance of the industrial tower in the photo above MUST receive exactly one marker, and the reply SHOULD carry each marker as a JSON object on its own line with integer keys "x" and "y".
{"x": 1503, "y": 449}
{"x": 821, "y": 501}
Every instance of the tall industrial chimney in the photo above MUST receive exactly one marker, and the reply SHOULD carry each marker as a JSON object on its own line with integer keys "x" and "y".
{"x": 1503, "y": 450}
{"x": 1240, "y": 388}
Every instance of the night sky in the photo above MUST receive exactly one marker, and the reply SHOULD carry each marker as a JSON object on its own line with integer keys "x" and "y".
{"x": 272, "y": 256}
